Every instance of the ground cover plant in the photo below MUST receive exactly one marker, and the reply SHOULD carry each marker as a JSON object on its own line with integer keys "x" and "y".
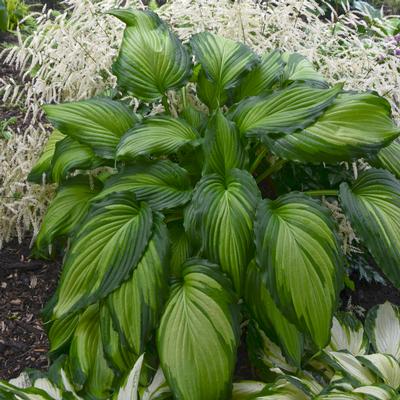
{"x": 180, "y": 231}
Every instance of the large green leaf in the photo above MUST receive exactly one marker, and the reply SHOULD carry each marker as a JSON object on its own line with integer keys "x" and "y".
{"x": 61, "y": 332}
{"x": 43, "y": 164}
{"x": 137, "y": 304}
{"x": 181, "y": 247}
{"x": 67, "y": 209}
{"x": 87, "y": 364}
{"x": 385, "y": 366}
{"x": 151, "y": 60}
{"x": 162, "y": 184}
{"x": 389, "y": 158}
{"x": 270, "y": 319}
{"x": 354, "y": 126}
{"x": 383, "y": 328}
{"x": 70, "y": 155}
{"x": 221, "y": 217}
{"x": 263, "y": 77}
{"x": 105, "y": 251}
{"x": 223, "y": 146}
{"x": 282, "y": 112}
{"x": 372, "y": 204}
{"x": 98, "y": 123}
{"x": 299, "y": 257}
{"x": 223, "y": 61}
{"x": 156, "y": 136}
{"x": 199, "y": 333}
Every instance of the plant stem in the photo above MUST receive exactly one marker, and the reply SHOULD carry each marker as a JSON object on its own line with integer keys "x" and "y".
{"x": 273, "y": 168}
{"x": 322, "y": 192}
{"x": 184, "y": 97}
{"x": 259, "y": 158}
{"x": 165, "y": 104}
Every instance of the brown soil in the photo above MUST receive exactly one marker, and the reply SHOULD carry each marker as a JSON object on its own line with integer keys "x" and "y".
{"x": 25, "y": 286}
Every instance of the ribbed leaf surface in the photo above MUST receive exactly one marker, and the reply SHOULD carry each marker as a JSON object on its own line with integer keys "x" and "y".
{"x": 268, "y": 316}
{"x": 67, "y": 209}
{"x": 223, "y": 146}
{"x": 137, "y": 304}
{"x": 105, "y": 251}
{"x": 263, "y": 77}
{"x": 298, "y": 254}
{"x": 98, "y": 123}
{"x": 389, "y": 158}
{"x": 223, "y": 62}
{"x": 355, "y": 125}
{"x": 198, "y": 334}
{"x": 372, "y": 205}
{"x": 181, "y": 248}
{"x": 151, "y": 60}
{"x": 162, "y": 184}
{"x": 221, "y": 216}
{"x": 156, "y": 136}
{"x": 70, "y": 155}
{"x": 284, "y": 111}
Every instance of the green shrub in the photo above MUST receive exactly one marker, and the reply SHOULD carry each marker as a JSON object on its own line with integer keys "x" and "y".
{"x": 11, "y": 13}
{"x": 172, "y": 244}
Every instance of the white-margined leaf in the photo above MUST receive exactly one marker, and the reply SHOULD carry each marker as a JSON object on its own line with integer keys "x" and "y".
{"x": 262, "y": 78}
{"x": 151, "y": 59}
{"x": 377, "y": 392}
{"x": 221, "y": 217}
{"x": 162, "y": 184}
{"x": 383, "y": 365}
{"x": 282, "y": 112}
{"x": 129, "y": 389}
{"x": 98, "y": 122}
{"x": 158, "y": 388}
{"x": 247, "y": 390}
{"x": 299, "y": 257}
{"x": 43, "y": 164}
{"x": 383, "y": 328}
{"x": 347, "y": 333}
{"x": 372, "y": 204}
{"x": 87, "y": 364}
{"x": 283, "y": 389}
{"x": 156, "y": 136}
{"x": 105, "y": 251}
{"x": 66, "y": 211}
{"x": 270, "y": 319}
{"x": 223, "y": 61}
{"x": 223, "y": 146}
{"x": 198, "y": 334}
{"x": 70, "y": 155}
{"x": 137, "y": 304}
{"x": 353, "y": 127}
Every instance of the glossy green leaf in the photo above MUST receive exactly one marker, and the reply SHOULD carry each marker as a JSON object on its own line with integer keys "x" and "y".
{"x": 223, "y": 146}
{"x": 347, "y": 333}
{"x": 105, "y": 251}
{"x": 137, "y": 304}
{"x": 389, "y": 158}
{"x": 283, "y": 112}
{"x": 353, "y": 127}
{"x": 61, "y": 332}
{"x": 221, "y": 217}
{"x": 43, "y": 164}
{"x": 268, "y": 316}
{"x": 98, "y": 123}
{"x": 372, "y": 204}
{"x": 299, "y": 257}
{"x": 383, "y": 365}
{"x": 70, "y": 155}
{"x": 198, "y": 334}
{"x": 87, "y": 364}
{"x": 66, "y": 211}
{"x": 298, "y": 68}
{"x": 263, "y": 77}
{"x": 162, "y": 184}
{"x": 180, "y": 249}
{"x": 3, "y": 16}
{"x": 151, "y": 60}
{"x": 223, "y": 61}
{"x": 383, "y": 328}
{"x": 156, "y": 136}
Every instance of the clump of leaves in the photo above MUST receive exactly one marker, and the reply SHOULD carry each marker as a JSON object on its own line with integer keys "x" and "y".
{"x": 174, "y": 244}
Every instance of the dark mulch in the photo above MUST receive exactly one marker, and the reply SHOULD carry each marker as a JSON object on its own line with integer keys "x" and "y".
{"x": 25, "y": 286}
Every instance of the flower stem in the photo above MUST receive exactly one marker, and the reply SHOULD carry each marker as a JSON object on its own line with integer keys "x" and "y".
{"x": 322, "y": 192}
{"x": 259, "y": 158}
{"x": 273, "y": 168}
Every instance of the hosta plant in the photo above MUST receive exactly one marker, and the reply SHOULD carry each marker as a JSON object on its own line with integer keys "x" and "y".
{"x": 176, "y": 228}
